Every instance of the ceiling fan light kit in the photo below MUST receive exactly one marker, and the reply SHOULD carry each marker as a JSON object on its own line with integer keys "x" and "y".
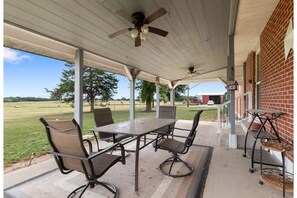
{"x": 143, "y": 36}
{"x": 141, "y": 29}
{"x": 134, "y": 33}
{"x": 144, "y": 29}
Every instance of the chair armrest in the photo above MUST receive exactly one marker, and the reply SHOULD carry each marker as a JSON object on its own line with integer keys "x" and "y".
{"x": 89, "y": 144}
{"x": 162, "y": 133}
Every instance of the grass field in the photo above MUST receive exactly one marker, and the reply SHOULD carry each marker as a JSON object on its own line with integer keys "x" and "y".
{"x": 24, "y": 133}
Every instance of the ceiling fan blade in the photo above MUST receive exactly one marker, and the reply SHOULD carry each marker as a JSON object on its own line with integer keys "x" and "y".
{"x": 137, "y": 41}
{"x": 188, "y": 77}
{"x": 160, "y": 12}
{"x": 126, "y": 16}
{"x": 119, "y": 32}
{"x": 158, "y": 31}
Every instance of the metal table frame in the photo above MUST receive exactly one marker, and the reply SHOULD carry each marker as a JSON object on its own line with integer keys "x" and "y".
{"x": 137, "y": 128}
{"x": 264, "y": 116}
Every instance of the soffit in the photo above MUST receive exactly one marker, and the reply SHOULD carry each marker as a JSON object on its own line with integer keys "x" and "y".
{"x": 251, "y": 20}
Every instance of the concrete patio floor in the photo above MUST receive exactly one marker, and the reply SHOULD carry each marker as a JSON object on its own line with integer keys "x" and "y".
{"x": 228, "y": 174}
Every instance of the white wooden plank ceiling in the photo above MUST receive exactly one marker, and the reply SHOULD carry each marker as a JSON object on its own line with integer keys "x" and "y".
{"x": 198, "y": 35}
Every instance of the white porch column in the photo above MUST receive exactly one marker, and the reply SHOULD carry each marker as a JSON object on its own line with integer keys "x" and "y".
{"x": 132, "y": 74}
{"x": 230, "y": 70}
{"x": 132, "y": 99}
{"x": 219, "y": 119}
{"x": 78, "y": 88}
{"x": 157, "y": 97}
{"x": 172, "y": 96}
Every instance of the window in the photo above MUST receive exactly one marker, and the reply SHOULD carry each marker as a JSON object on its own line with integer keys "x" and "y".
{"x": 257, "y": 78}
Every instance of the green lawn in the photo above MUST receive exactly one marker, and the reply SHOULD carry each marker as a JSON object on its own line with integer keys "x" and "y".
{"x": 24, "y": 133}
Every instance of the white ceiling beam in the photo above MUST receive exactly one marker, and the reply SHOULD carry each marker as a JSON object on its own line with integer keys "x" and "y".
{"x": 128, "y": 73}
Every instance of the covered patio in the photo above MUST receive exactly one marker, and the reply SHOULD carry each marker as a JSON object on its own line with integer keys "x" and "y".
{"x": 209, "y": 36}
{"x": 214, "y": 37}
{"x": 228, "y": 174}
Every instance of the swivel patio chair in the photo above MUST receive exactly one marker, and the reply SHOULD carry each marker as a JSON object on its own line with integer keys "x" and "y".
{"x": 177, "y": 147}
{"x": 102, "y": 117}
{"x": 70, "y": 154}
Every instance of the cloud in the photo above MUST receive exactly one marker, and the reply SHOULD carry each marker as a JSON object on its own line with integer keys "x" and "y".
{"x": 13, "y": 56}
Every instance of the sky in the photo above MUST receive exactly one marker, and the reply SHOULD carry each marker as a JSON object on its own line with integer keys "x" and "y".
{"x": 28, "y": 74}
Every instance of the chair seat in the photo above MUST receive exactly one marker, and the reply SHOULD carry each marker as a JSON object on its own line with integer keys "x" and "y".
{"x": 103, "y": 162}
{"x": 172, "y": 145}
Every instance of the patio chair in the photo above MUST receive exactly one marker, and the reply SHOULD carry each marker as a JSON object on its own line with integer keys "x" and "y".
{"x": 70, "y": 154}
{"x": 102, "y": 117}
{"x": 177, "y": 147}
{"x": 168, "y": 112}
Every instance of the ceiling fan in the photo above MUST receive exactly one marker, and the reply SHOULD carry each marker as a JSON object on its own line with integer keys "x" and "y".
{"x": 141, "y": 28}
{"x": 192, "y": 72}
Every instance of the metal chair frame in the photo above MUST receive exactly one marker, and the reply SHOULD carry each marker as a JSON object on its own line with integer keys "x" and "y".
{"x": 175, "y": 157}
{"x": 89, "y": 174}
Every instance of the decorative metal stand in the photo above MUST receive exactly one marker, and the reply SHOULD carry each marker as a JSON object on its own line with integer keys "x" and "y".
{"x": 266, "y": 119}
{"x": 276, "y": 178}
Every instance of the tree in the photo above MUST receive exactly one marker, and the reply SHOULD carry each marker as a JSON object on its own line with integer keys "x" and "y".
{"x": 96, "y": 85}
{"x": 179, "y": 92}
{"x": 164, "y": 91}
{"x": 147, "y": 90}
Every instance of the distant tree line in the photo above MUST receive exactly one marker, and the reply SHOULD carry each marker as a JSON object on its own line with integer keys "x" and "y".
{"x": 24, "y": 99}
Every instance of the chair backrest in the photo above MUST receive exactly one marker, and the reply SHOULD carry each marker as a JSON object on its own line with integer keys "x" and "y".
{"x": 192, "y": 133}
{"x": 168, "y": 112}
{"x": 65, "y": 137}
{"x": 102, "y": 117}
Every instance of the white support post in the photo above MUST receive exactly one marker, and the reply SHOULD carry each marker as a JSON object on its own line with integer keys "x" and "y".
{"x": 132, "y": 99}
{"x": 219, "y": 119}
{"x": 230, "y": 69}
{"x": 232, "y": 135}
{"x": 78, "y": 88}
{"x": 134, "y": 74}
{"x": 172, "y": 96}
{"x": 157, "y": 97}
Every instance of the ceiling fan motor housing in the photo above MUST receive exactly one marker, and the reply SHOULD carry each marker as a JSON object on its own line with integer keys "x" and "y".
{"x": 139, "y": 18}
{"x": 141, "y": 28}
{"x": 191, "y": 69}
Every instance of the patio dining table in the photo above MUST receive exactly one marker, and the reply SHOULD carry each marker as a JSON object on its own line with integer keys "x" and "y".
{"x": 137, "y": 128}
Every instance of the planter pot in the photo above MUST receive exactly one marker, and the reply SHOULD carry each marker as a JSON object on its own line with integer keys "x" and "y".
{"x": 255, "y": 126}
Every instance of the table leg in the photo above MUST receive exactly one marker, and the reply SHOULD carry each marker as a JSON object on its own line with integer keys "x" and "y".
{"x": 137, "y": 162}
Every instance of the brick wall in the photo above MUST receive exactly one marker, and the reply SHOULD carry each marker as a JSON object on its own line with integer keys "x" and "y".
{"x": 276, "y": 70}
